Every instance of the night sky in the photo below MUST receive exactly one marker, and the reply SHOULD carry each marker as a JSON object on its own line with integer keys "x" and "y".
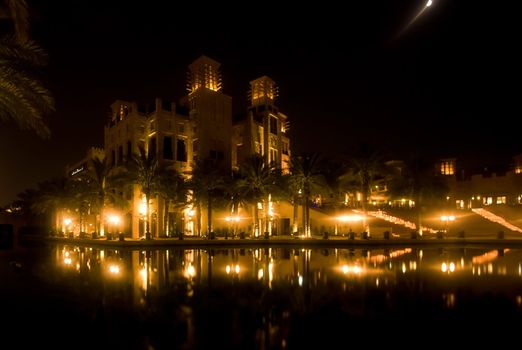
{"x": 448, "y": 85}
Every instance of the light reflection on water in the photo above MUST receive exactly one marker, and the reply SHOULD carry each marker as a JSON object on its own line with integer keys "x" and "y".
{"x": 435, "y": 270}
{"x": 266, "y": 297}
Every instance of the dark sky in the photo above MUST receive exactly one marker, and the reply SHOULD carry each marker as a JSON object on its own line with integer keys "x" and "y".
{"x": 449, "y": 84}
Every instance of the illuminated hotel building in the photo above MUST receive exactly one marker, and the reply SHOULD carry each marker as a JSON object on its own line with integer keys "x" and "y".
{"x": 84, "y": 164}
{"x": 198, "y": 126}
{"x": 264, "y": 129}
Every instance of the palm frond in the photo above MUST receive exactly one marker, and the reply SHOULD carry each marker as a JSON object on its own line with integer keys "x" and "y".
{"x": 20, "y": 16}
{"x": 23, "y": 98}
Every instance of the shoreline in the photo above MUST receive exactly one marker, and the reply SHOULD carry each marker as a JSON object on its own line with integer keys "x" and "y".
{"x": 275, "y": 242}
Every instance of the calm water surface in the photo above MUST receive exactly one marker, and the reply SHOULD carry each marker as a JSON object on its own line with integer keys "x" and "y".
{"x": 267, "y": 298}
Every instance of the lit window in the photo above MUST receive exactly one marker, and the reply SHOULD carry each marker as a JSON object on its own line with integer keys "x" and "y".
{"x": 273, "y": 155}
{"x": 518, "y": 170}
{"x": 501, "y": 200}
{"x": 447, "y": 167}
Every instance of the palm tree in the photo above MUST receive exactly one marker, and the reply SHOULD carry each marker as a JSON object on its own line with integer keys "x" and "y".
{"x": 306, "y": 176}
{"x": 174, "y": 191}
{"x": 234, "y": 195}
{"x": 420, "y": 181}
{"x": 293, "y": 193}
{"x": 54, "y": 195}
{"x": 23, "y": 98}
{"x": 17, "y": 11}
{"x": 363, "y": 167}
{"x": 94, "y": 187}
{"x": 257, "y": 181}
{"x": 143, "y": 170}
{"x": 207, "y": 178}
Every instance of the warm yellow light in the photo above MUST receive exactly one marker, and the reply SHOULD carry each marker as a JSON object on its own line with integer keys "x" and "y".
{"x": 227, "y": 269}
{"x": 142, "y": 209}
{"x": 114, "y": 269}
{"x": 67, "y": 221}
{"x": 486, "y": 257}
{"x": 300, "y": 280}
{"x": 260, "y": 274}
{"x": 350, "y": 218}
{"x": 351, "y": 269}
{"x": 190, "y": 272}
{"x": 452, "y": 267}
{"x": 444, "y": 267}
{"x": 114, "y": 219}
{"x": 237, "y": 269}
{"x": 429, "y": 3}
{"x": 67, "y": 261}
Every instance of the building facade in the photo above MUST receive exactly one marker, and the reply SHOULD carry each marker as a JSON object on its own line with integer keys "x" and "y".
{"x": 264, "y": 129}
{"x": 198, "y": 127}
{"x": 489, "y": 187}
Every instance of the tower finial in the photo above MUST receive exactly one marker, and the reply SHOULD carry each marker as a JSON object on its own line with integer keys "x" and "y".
{"x": 262, "y": 90}
{"x": 204, "y": 73}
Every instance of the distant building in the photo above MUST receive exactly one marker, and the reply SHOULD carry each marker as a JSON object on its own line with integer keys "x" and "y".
{"x": 264, "y": 129}
{"x": 83, "y": 165}
{"x": 490, "y": 187}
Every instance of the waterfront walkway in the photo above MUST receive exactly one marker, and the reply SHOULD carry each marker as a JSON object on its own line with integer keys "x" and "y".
{"x": 335, "y": 241}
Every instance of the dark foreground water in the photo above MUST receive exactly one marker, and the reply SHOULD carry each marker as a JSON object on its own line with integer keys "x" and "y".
{"x": 75, "y": 297}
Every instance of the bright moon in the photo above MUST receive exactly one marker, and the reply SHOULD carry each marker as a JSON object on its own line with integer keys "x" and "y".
{"x": 428, "y": 4}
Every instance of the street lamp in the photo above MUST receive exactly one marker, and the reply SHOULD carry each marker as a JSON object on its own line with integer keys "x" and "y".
{"x": 66, "y": 223}
{"x": 343, "y": 219}
{"x": 447, "y": 219}
{"x": 142, "y": 210}
{"x": 234, "y": 221}
{"x": 115, "y": 221}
